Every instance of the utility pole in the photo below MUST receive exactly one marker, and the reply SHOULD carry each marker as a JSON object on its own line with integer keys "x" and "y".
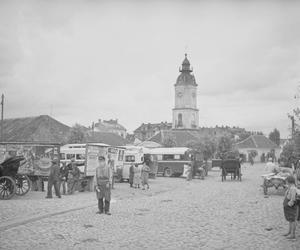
{"x": 2, "y": 110}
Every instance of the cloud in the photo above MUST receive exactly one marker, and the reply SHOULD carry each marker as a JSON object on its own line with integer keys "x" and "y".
{"x": 84, "y": 60}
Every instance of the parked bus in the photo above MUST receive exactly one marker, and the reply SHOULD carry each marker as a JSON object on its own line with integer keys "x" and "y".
{"x": 138, "y": 155}
{"x": 116, "y": 155}
{"x": 133, "y": 155}
{"x": 73, "y": 151}
{"x": 171, "y": 161}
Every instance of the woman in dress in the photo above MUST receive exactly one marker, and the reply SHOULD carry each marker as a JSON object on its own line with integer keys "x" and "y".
{"x": 137, "y": 176}
{"x": 145, "y": 175}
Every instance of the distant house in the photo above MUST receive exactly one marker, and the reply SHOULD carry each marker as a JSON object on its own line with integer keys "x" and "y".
{"x": 106, "y": 138}
{"x": 258, "y": 143}
{"x": 147, "y": 130}
{"x": 110, "y": 126}
{"x": 41, "y": 128}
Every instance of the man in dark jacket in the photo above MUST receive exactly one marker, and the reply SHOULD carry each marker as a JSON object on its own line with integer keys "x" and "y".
{"x": 103, "y": 186}
{"x": 53, "y": 179}
{"x": 63, "y": 177}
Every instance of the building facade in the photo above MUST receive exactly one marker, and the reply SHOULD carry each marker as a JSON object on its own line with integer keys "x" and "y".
{"x": 110, "y": 126}
{"x": 260, "y": 144}
{"x": 185, "y": 113}
{"x": 147, "y": 130}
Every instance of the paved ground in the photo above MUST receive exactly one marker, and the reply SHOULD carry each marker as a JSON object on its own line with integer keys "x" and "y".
{"x": 174, "y": 214}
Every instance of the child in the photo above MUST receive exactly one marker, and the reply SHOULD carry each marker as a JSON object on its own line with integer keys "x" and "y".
{"x": 290, "y": 207}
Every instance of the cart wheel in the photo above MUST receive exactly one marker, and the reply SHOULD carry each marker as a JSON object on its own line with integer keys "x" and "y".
{"x": 7, "y": 187}
{"x": 23, "y": 184}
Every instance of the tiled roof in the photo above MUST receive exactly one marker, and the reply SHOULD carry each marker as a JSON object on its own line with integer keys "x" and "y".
{"x": 147, "y": 126}
{"x": 107, "y": 138}
{"x": 181, "y": 137}
{"x": 41, "y": 128}
{"x": 257, "y": 141}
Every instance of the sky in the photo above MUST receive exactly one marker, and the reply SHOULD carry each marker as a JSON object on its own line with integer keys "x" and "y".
{"x": 80, "y": 61}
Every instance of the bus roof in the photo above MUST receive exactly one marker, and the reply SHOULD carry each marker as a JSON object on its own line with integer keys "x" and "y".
{"x": 98, "y": 144}
{"x": 74, "y": 145}
{"x": 169, "y": 151}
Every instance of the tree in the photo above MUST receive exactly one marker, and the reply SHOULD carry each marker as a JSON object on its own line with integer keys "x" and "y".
{"x": 225, "y": 145}
{"x": 275, "y": 136}
{"x": 206, "y": 148}
{"x": 77, "y": 134}
{"x": 243, "y": 135}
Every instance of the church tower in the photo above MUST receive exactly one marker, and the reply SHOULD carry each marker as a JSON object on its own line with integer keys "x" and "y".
{"x": 185, "y": 113}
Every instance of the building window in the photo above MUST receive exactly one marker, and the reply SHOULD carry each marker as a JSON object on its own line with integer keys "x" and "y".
{"x": 179, "y": 120}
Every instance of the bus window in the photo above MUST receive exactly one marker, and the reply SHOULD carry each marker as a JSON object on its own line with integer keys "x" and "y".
{"x": 80, "y": 156}
{"x": 121, "y": 155}
{"x": 159, "y": 157}
{"x": 168, "y": 157}
{"x": 130, "y": 158}
{"x": 62, "y": 156}
{"x": 70, "y": 156}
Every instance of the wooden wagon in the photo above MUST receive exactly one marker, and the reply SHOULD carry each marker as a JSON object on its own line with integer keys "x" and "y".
{"x": 231, "y": 167}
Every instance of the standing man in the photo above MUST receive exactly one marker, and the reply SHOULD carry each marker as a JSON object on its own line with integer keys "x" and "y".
{"x": 63, "y": 177}
{"x": 70, "y": 179}
{"x": 53, "y": 179}
{"x": 76, "y": 176}
{"x": 103, "y": 186}
{"x": 131, "y": 175}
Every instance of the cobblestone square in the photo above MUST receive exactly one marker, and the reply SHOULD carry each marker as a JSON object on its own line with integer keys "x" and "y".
{"x": 173, "y": 214}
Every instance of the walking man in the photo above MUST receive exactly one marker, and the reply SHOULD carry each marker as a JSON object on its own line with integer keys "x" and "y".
{"x": 53, "y": 179}
{"x": 103, "y": 186}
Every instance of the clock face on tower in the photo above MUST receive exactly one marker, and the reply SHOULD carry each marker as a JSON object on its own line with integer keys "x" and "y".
{"x": 179, "y": 94}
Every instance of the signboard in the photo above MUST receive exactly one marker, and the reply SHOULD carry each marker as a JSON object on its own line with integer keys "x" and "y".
{"x": 92, "y": 154}
{"x": 38, "y": 157}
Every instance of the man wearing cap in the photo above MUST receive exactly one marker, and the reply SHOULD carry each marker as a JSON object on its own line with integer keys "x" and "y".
{"x": 53, "y": 179}
{"x": 103, "y": 186}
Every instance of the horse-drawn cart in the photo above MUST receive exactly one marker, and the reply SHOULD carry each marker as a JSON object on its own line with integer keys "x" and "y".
{"x": 11, "y": 182}
{"x": 231, "y": 167}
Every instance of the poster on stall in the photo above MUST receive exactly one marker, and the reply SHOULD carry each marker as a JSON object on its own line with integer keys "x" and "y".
{"x": 92, "y": 154}
{"x": 37, "y": 157}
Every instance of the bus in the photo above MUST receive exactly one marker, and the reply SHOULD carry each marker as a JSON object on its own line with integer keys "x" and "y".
{"x": 172, "y": 161}
{"x": 138, "y": 155}
{"x": 76, "y": 152}
{"x": 133, "y": 155}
